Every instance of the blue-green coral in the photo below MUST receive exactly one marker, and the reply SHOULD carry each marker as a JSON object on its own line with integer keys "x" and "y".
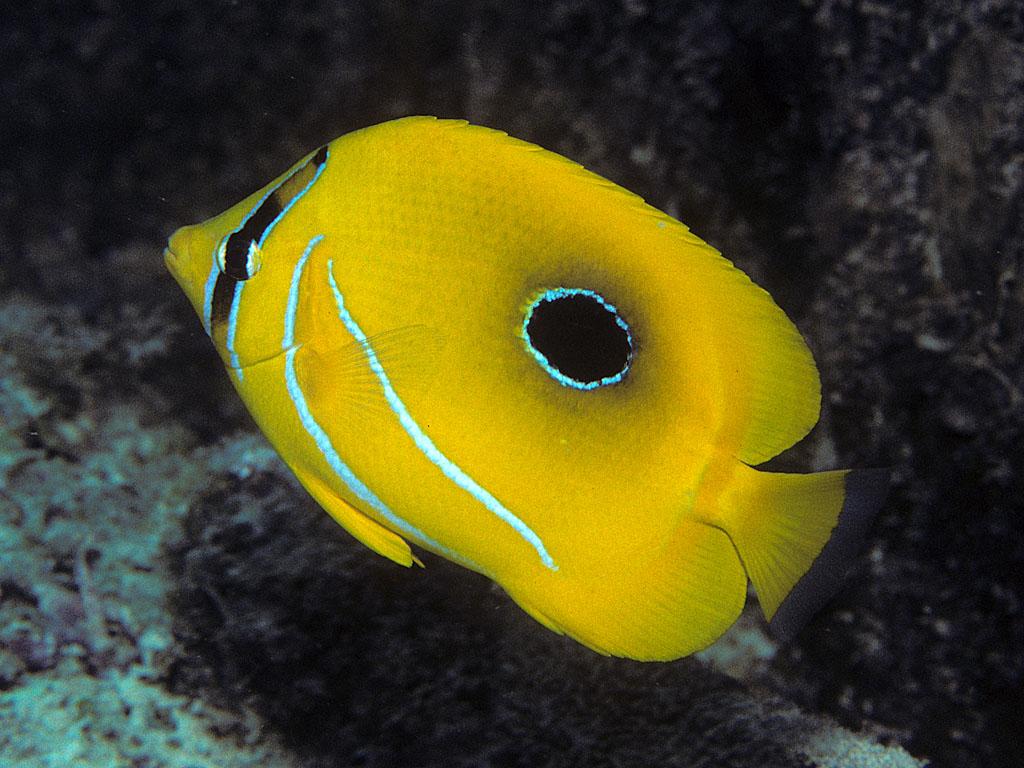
{"x": 89, "y": 497}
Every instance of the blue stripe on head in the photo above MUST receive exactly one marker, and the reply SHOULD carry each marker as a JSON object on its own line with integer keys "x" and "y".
{"x": 292, "y": 308}
{"x": 229, "y": 342}
{"x": 211, "y": 282}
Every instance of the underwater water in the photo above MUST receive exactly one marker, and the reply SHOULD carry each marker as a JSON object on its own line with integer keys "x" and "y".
{"x": 170, "y": 595}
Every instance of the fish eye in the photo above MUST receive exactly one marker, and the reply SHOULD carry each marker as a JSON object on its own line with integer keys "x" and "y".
{"x": 238, "y": 259}
{"x": 579, "y": 338}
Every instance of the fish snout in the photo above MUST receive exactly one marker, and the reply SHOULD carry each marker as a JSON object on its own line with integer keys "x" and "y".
{"x": 180, "y": 257}
{"x": 171, "y": 262}
{"x": 176, "y": 252}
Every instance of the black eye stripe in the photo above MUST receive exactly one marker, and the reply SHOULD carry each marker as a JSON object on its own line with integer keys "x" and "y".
{"x": 257, "y": 226}
{"x": 223, "y": 297}
{"x": 236, "y": 249}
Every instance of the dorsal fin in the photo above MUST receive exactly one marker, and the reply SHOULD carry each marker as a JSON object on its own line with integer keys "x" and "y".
{"x": 781, "y": 390}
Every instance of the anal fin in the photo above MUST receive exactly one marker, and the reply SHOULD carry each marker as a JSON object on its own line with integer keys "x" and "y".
{"x": 668, "y": 603}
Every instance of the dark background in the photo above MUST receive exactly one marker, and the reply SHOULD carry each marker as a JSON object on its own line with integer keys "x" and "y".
{"x": 862, "y": 161}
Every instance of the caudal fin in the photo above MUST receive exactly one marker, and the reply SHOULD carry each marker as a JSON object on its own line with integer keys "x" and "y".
{"x": 798, "y": 534}
{"x": 866, "y": 490}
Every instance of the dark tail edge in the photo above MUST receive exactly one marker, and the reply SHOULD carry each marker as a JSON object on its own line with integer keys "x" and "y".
{"x": 866, "y": 490}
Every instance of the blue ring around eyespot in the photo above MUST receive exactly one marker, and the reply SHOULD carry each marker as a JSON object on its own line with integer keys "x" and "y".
{"x": 552, "y": 294}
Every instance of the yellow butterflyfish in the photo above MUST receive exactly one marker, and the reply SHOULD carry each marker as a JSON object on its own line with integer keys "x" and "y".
{"x": 460, "y": 340}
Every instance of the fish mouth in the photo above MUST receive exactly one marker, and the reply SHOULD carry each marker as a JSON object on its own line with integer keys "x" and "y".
{"x": 171, "y": 260}
{"x": 177, "y": 254}
{"x": 177, "y": 265}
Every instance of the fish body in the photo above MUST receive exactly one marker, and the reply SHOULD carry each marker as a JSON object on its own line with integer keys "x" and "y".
{"x": 458, "y": 339}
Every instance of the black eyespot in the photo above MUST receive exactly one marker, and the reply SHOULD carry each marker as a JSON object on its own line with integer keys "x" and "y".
{"x": 578, "y": 337}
